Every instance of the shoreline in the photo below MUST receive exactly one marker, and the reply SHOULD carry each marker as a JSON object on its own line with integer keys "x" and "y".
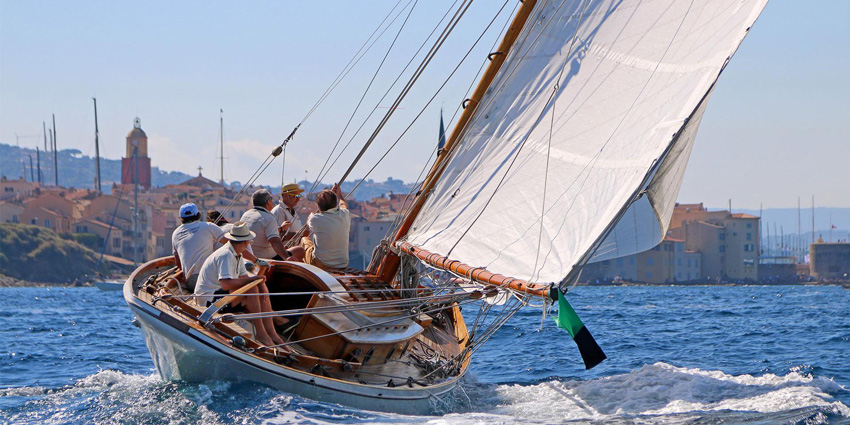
{"x": 10, "y": 282}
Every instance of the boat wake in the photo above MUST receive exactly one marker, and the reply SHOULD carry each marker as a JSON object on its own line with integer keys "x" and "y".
{"x": 657, "y": 393}
{"x": 664, "y": 393}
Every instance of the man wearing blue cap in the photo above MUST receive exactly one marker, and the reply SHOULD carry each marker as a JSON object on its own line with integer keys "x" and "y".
{"x": 193, "y": 242}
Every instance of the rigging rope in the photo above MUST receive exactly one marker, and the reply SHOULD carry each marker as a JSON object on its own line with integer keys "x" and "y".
{"x": 365, "y": 92}
{"x": 406, "y": 89}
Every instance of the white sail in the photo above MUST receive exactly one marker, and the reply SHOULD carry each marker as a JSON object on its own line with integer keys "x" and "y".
{"x": 589, "y": 110}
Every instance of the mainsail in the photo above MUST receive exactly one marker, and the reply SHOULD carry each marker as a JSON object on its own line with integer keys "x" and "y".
{"x": 578, "y": 148}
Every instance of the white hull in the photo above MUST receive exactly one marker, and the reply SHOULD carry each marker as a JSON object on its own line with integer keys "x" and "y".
{"x": 109, "y": 285}
{"x": 185, "y": 354}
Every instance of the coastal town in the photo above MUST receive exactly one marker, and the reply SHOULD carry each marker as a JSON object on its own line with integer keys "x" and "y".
{"x": 133, "y": 223}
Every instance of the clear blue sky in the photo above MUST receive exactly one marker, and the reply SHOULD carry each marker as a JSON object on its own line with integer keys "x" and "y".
{"x": 777, "y": 127}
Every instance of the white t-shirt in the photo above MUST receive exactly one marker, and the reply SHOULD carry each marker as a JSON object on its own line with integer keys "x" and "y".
{"x": 264, "y": 224}
{"x": 227, "y": 227}
{"x": 329, "y": 232}
{"x": 222, "y": 264}
{"x": 194, "y": 242}
{"x": 281, "y": 213}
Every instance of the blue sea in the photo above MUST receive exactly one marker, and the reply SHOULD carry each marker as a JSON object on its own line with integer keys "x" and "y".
{"x": 677, "y": 355}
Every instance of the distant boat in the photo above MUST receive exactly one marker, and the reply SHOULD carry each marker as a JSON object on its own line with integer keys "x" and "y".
{"x": 109, "y": 285}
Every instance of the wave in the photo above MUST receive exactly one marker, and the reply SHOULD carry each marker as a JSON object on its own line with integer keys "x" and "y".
{"x": 656, "y": 393}
{"x": 663, "y": 390}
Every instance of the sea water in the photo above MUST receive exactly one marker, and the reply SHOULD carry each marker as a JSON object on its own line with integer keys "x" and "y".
{"x": 689, "y": 355}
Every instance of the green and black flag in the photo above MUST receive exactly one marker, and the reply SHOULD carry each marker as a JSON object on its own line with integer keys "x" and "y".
{"x": 567, "y": 319}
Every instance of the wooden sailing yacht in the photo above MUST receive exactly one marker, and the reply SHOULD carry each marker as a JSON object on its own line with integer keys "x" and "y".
{"x": 585, "y": 116}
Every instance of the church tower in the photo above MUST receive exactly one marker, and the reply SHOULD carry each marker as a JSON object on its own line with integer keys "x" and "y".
{"x": 136, "y": 166}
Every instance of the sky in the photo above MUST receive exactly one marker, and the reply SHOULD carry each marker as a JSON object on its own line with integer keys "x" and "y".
{"x": 777, "y": 126}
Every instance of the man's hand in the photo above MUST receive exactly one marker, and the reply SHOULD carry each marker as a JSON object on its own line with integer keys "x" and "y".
{"x": 284, "y": 228}
{"x": 337, "y": 190}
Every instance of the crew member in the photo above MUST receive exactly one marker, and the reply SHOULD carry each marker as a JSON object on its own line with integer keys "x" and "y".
{"x": 327, "y": 245}
{"x": 193, "y": 242}
{"x": 224, "y": 271}
{"x": 287, "y": 216}
{"x": 268, "y": 243}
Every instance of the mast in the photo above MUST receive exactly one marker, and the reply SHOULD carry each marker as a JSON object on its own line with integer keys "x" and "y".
{"x": 813, "y": 222}
{"x": 390, "y": 263}
{"x": 44, "y": 132}
{"x": 32, "y": 177}
{"x": 221, "y": 141}
{"x": 55, "y": 159}
{"x": 38, "y": 162}
{"x": 96, "y": 146}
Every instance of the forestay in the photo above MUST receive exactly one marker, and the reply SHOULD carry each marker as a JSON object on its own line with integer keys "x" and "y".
{"x": 588, "y": 125}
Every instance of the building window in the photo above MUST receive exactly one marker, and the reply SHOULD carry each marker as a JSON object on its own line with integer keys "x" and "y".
{"x": 658, "y": 247}
{"x": 749, "y": 225}
{"x": 749, "y": 247}
{"x": 689, "y": 262}
{"x": 749, "y": 236}
{"x": 722, "y": 248}
{"x": 233, "y": 214}
{"x": 619, "y": 261}
{"x": 46, "y": 222}
{"x": 649, "y": 261}
{"x": 366, "y": 228}
{"x": 34, "y": 221}
{"x": 722, "y": 236}
{"x": 632, "y": 261}
{"x": 8, "y": 189}
{"x": 116, "y": 243}
{"x": 696, "y": 262}
{"x": 648, "y": 275}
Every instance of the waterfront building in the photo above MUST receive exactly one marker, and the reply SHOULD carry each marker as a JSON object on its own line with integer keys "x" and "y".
{"x": 829, "y": 260}
{"x": 729, "y": 243}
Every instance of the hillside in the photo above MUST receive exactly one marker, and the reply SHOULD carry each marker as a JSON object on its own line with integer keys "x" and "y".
{"x": 38, "y": 254}
{"x": 75, "y": 170}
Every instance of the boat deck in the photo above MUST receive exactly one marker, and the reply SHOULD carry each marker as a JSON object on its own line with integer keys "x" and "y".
{"x": 368, "y": 352}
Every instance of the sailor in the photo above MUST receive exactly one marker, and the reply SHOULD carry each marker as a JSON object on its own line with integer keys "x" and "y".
{"x": 193, "y": 242}
{"x": 224, "y": 271}
{"x": 215, "y": 217}
{"x": 287, "y": 216}
{"x": 264, "y": 225}
{"x": 327, "y": 245}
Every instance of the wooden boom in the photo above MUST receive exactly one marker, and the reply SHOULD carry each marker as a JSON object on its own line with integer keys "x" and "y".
{"x": 477, "y": 274}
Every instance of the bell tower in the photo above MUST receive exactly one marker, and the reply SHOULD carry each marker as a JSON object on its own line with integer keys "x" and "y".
{"x": 136, "y": 166}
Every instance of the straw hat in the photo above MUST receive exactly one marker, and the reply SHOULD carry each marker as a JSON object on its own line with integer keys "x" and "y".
{"x": 240, "y": 232}
{"x": 291, "y": 189}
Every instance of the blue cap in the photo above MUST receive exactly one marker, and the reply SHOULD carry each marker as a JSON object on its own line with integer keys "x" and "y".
{"x": 188, "y": 210}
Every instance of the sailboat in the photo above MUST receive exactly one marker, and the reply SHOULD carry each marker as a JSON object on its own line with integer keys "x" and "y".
{"x": 585, "y": 117}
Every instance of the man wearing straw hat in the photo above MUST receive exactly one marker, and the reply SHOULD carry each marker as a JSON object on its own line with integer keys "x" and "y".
{"x": 224, "y": 271}
{"x": 287, "y": 216}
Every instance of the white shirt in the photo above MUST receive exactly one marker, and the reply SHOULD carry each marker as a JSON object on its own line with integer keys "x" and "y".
{"x": 194, "y": 242}
{"x": 281, "y": 213}
{"x": 222, "y": 264}
{"x": 227, "y": 227}
{"x": 264, "y": 224}
{"x": 329, "y": 232}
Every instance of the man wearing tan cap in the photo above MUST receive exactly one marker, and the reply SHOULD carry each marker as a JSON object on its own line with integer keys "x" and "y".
{"x": 287, "y": 216}
{"x": 224, "y": 271}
